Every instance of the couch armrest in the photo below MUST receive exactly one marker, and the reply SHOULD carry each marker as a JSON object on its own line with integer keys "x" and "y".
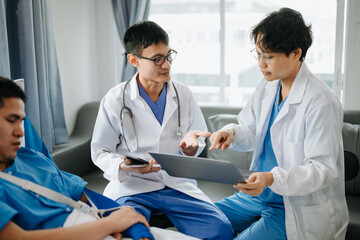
{"x": 75, "y": 156}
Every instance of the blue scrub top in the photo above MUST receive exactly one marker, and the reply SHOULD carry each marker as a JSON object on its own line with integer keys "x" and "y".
{"x": 157, "y": 108}
{"x": 267, "y": 158}
{"x": 25, "y": 208}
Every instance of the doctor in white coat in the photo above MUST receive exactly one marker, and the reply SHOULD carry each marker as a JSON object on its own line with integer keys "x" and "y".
{"x": 150, "y": 112}
{"x": 293, "y": 125}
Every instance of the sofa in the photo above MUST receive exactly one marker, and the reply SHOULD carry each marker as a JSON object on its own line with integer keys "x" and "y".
{"x": 75, "y": 157}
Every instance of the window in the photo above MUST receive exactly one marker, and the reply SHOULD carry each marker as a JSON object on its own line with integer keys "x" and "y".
{"x": 213, "y": 44}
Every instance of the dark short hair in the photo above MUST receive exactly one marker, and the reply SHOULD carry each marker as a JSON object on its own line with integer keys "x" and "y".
{"x": 143, "y": 34}
{"x": 283, "y": 31}
{"x": 9, "y": 89}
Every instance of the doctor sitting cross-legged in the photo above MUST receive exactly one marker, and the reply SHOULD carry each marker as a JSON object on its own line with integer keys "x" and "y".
{"x": 150, "y": 112}
{"x": 292, "y": 123}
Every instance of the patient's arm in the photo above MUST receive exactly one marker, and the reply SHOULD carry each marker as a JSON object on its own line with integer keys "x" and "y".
{"x": 116, "y": 222}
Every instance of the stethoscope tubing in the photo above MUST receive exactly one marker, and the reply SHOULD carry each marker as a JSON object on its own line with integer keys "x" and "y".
{"x": 124, "y": 107}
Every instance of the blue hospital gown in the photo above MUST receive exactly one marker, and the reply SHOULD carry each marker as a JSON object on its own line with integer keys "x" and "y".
{"x": 25, "y": 208}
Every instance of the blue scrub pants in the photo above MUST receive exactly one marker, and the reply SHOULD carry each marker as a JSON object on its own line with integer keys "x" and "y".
{"x": 189, "y": 215}
{"x": 254, "y": 219}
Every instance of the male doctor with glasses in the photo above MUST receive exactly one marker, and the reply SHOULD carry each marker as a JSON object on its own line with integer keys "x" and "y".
{"x": 150, "y": 112}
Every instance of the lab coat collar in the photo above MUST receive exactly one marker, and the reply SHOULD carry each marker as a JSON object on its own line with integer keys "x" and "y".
{"x": 271, "y": 87}
{"x": 297, "y": 90}
{"x": 171, "y": 102}
{"x": 171, "y": 91}
{"x": 267, "y": 102}
{"x": 270, "y": 94}
{"x": 134, "y": 90}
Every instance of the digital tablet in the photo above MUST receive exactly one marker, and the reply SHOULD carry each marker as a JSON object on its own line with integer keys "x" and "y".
{"x": 213, "y": 170}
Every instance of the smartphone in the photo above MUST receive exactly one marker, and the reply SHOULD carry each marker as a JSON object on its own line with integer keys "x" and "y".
{"x": 138, "y": 162}
{"x": 135, "y": 161}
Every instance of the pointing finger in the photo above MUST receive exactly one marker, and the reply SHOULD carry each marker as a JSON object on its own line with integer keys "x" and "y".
{"x": 203, "y": 134}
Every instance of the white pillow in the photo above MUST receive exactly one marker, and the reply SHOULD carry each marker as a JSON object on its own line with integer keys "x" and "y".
{"x": 20, "y": 83}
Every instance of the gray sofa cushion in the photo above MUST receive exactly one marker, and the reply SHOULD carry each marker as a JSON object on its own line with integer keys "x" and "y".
{"x": 217, "y": 121}
{"x": 210, "y": 110}
{"x": 353, "y": 230}
{"x": 75, "y": 156}
{"x": 351, "y": 139}
{"x": 351, "y": 116}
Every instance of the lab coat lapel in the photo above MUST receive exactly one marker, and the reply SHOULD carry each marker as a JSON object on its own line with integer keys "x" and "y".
{"x": 135, "y": 95}
{"x": 264, "y": 117}
{"x": 171, "y": 103}
{"x": 267, "y": 103}
{"x": 296, "y": 94}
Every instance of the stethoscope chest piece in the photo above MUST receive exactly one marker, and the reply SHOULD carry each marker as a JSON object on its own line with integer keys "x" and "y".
{"x": 178, "y": 134}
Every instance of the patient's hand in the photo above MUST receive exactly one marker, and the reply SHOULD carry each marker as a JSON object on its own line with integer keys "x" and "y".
{"x": 124, "y": 218}
{"x": 190, "y": 143}
{"x": 151, "y": 167}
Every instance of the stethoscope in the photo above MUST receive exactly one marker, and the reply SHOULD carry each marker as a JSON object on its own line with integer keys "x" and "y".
{"x": 126, "y": 110}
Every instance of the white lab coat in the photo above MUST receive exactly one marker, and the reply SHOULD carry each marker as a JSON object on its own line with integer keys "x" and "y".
{"x": 307, "y": 142}
{"x": 151, "y": 137}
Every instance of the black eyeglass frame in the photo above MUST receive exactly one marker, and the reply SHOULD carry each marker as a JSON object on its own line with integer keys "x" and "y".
{"x": 157, "y": 59}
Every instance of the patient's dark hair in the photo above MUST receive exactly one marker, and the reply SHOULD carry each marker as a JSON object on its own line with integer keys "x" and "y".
{"x": 9, "y": 89}
{"x": 283, "y": 31}
{"x": 143, "y": 34}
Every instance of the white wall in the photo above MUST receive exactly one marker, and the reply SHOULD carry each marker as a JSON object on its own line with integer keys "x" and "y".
{"x": 87, "y": 45}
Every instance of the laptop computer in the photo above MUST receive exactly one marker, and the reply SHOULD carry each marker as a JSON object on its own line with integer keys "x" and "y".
{"x": 213, "y": 170}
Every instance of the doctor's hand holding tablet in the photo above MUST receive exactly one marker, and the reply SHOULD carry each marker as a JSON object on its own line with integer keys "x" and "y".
{"x": 258, "y": 181}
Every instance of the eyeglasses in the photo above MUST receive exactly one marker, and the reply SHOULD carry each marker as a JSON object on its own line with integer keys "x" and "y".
{"x": 258, "y": 56}
{"x": 160, "y": 60}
